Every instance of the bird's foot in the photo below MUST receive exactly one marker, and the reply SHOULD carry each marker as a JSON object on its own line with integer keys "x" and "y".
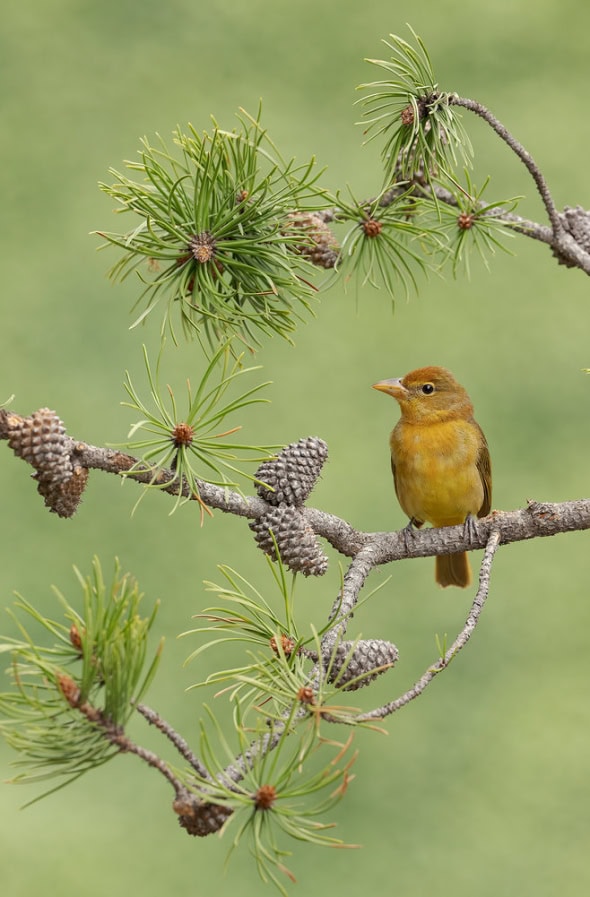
{"x": 470, "y": 529}
{"x": 409, "y": 532}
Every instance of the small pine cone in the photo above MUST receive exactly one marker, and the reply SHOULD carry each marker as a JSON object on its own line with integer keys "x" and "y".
{"x": 41, "y": 441}
{"x": 298, "y": 547}
{"x": 293, "y": 473}
{"x": 318, "y": 243}
{"x": 63, "y": 498}
{"x": 364, "y": 661}
{"x": 200, "y": 818}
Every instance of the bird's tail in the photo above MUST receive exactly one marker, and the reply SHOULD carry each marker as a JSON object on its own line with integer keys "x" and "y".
{"x": 453, "y": 570}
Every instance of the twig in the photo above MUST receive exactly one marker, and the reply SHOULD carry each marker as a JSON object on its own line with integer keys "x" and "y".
{"x": 154, "y": 719}
{"x": 570, "y": 248}
{"x": 459, "y": 643}
{"x": 117, "y": 737}
{"x": 517, "y": 223}
{"x": 523, "y": 154}
{"x": 262, "y": 746}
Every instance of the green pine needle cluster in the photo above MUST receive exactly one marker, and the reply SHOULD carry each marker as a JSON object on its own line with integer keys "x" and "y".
{"x": 283, "y": 794}
{"x": 280, "y": 662}
{"x": 194, "y": 443}
{"x": 473, "y": 225}
{"x": 215, "y": 243}
{"x": 424, "y": 142}
{"x": 94, "y": 659}
{"x": 387, "y": 241}
{"x": 421, "y": 129}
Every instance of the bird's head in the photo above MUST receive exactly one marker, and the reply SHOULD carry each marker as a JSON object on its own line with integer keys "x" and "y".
{"x": 428, "y": 394}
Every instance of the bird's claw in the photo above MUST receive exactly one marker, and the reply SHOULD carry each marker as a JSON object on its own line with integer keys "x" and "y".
{"x": 409, "y": 532}
{"x": 470, "y": 529}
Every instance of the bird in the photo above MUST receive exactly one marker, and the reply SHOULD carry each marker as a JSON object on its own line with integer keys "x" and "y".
{"x": 440, "y": 460}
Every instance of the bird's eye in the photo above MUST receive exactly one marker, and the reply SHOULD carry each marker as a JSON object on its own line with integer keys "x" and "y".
{"x": 428, "y": 389}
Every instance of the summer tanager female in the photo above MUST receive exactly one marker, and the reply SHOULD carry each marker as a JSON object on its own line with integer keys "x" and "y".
{"x": 440, "y": 459}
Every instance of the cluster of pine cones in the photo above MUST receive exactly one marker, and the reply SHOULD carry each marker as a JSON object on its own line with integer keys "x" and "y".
{"x": 285, "y": 482}
{"x": 41, "y": 441}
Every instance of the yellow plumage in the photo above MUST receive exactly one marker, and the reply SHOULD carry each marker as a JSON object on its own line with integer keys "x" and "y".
{"x": 440, "y": 459}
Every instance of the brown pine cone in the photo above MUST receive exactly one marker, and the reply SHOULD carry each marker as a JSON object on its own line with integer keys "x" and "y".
{"x": 364, "y": 661}
{"x": 199, "y": 817}
{"x": 63, "y": 498}
{"x": 41, "y": 441}
{"x": 297, "y": 544}
{"x": 293, "y": 473}
{"x": 318, "y": 242}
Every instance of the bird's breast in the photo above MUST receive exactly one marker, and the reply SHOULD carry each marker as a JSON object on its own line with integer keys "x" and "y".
{"x": 435, "y": 470}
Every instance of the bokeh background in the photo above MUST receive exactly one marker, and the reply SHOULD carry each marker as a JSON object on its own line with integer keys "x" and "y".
{"x": 481, "y": 786}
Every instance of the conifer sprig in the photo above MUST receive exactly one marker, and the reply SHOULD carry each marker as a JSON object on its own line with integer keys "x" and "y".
{"x": 275, "y": 794}
{"x": 423, "y": 132}
{"x": 194, "y": 443}
{"x": 77, "y": 677}
{"x": 216, "y": 241}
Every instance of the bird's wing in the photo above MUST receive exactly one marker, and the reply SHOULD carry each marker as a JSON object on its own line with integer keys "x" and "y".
{"x": 484, "y": 466}
{"x": 413, "y": 520}
{"x": 394, "y": 479}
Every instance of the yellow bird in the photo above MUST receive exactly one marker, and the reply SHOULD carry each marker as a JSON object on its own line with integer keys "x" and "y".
{"x": 440, "y": 459}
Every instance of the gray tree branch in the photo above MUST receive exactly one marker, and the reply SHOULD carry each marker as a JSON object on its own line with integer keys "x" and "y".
{"x": 459, "y": 643}
{"x": 537, "y": 519}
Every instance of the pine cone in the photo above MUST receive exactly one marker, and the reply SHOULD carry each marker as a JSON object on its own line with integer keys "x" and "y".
{"x": 367, "y": 656}
{"x": 298, "y": 547}
{"x": 63, "y": 498}
{"x": 293, "y": 473}
{"x": 41, "y": 441}
{"x": 200, "y": 818}
{"x": 318, "y": 243}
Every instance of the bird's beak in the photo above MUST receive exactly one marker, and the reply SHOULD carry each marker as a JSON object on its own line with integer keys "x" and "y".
{"x": 393, "y": 388}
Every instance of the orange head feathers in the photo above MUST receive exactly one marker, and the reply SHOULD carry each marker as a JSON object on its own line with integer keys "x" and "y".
{"x": 439, "y": 457}
{"x": 428, "y": 394}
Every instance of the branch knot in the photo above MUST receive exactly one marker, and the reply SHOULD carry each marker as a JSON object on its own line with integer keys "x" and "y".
{"x": 576, "y": 223}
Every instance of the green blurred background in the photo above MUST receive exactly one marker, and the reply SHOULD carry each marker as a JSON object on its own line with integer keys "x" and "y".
{"x": 481, "y": 786}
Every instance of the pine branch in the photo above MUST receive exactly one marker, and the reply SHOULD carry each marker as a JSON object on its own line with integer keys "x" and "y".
{"x": 568, "y": 234}
{"x": 537, "y": 519}
{"x": 196, "y": 815}
{"x": 116, "y": 735}
{"x": 569, "y": 238}
{"x": 570, "y": 242}
{"x": 356, "y": 575}
{"x": 519, "y": 150}
{"x": 517, "y": 223}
